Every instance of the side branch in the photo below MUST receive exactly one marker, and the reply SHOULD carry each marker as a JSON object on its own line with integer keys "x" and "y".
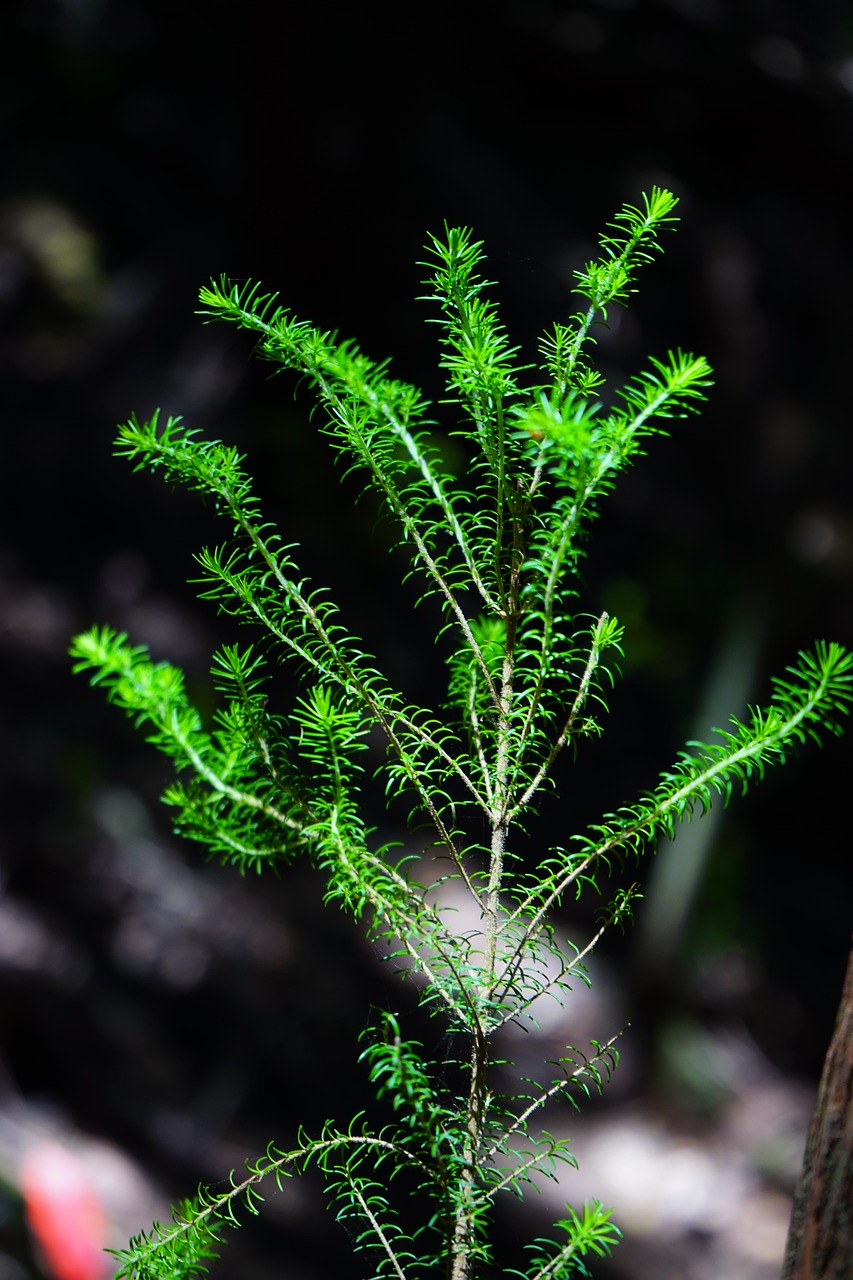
{"x": 604, "y": 1054}
{"x": 222, "y": 1208}
{"x": 566, "y": 731}
{"x": 384, "y": 1242}
{"x": 791, "y": 715}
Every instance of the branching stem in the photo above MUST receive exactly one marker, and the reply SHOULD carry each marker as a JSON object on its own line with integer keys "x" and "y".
{"x": 502, "y": 533}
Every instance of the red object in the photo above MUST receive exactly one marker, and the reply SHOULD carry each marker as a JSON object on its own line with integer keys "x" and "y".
{"x": 64, "y": 1213}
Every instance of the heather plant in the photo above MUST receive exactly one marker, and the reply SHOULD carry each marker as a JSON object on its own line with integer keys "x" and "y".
{"x": 498, "y": 544}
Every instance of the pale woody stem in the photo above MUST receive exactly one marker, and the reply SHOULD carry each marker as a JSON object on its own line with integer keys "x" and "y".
{"x": 475, "y": 1120}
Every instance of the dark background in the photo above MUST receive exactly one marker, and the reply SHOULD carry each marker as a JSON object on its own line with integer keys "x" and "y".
{"x": 157, "y": 1007}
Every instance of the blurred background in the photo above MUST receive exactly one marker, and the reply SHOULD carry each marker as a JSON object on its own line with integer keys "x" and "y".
{"x": 162, "y": 1019}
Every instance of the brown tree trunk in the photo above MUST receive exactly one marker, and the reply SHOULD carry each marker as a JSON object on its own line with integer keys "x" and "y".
{"x": 820, "y": 1242}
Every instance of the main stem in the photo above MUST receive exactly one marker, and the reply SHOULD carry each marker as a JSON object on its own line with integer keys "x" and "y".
{"x": 463, "y": 1236}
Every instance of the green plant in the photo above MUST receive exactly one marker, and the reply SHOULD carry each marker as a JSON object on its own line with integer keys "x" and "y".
{"x": 527, "y": 677}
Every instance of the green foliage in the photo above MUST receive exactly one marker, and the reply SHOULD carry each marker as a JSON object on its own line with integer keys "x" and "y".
{"x": 527, "y": 675}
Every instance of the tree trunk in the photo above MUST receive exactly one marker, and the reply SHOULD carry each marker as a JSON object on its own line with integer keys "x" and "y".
{"x": 820, "y": 1241}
